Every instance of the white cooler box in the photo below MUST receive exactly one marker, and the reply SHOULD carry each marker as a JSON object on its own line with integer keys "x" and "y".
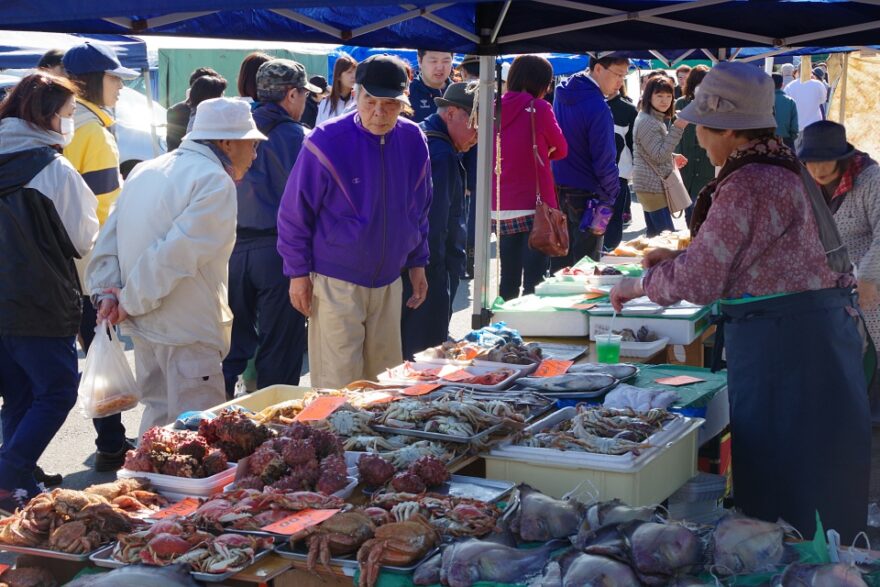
{"x": 681, "y": 323}
{"x": 534, "y": 315}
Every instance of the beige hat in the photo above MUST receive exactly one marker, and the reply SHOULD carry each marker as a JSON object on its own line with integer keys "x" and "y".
{"x": 735, "y": 96}
{"x": 224, "y": 118}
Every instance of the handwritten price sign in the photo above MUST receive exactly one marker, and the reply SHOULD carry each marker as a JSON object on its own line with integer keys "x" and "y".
{"x": 420, "y": 389}
{"x": 299, "y": 521}
{"x": 552, "y": 367}
{"x": 183, "y": 507}
{"x": 320, "y": 409}
{"x": 679, "y": 380}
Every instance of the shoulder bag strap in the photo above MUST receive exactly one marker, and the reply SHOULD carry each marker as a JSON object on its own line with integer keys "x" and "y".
{"x": 836, "y": 253}
{"x": 536, "y": 155}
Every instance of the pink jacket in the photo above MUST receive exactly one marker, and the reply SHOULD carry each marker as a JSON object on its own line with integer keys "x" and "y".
{"x": 517, "y": 159}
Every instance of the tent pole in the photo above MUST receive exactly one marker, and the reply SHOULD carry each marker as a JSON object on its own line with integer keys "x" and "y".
{"x": 842, "y": 116}
{"x": 485, "y": 139}
{"x": 768, "y": 65}
{"x": 148, "y": 86}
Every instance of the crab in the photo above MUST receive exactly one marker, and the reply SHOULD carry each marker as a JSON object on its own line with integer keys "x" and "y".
{"x": 405, "y": 456}
{"x": 449, "y": 425}
{"x": 73, "y": 538}
{"x": 397, "y": 544}
{"x": 226, "y": 552}
{"x": 346, "y": 422}
{"x": 369, "y": 443}
{"x": 343, "y": 533}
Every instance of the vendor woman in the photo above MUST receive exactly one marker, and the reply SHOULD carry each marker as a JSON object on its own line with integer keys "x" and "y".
{"x": 799, "y": 417}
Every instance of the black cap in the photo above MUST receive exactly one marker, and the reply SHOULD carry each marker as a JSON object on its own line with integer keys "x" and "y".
{"x": 383, "y": 76}
{"x": 320, "y": 82}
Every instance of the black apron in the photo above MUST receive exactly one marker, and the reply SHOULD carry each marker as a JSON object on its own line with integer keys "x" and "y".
{"x": 799, "y": 415}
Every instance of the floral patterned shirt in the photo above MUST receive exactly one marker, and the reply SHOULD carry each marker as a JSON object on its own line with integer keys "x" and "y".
{"x": 760, "y": 238}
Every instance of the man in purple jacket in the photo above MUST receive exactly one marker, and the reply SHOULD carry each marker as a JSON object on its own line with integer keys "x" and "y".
{"x": 587, "y": 179}
{"x": 354, "y": 215}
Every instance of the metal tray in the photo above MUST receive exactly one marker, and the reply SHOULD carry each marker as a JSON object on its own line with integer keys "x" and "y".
{"x": 437, "y": 436}
{"x": 561, "y": 352}
{"x": 570, "y": 394}
{"x": 488, "y": 490}
{"x": 103, "y": 557}
{"x": 349, "y": 561}
{"x": 46, "y": 553}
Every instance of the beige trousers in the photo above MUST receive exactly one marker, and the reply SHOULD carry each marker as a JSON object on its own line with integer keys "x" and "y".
{"x": 354, "y": 331}
{"x": 176, "y": 379}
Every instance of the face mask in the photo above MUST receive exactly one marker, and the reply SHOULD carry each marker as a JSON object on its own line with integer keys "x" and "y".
{"x": 68, "y": 127}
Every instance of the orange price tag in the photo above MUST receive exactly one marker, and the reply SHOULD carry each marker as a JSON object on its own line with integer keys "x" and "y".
{"x": 679, "y": 380}
{"x": 552, "y": 367}
{"x": 183, "y": 507}
{"x": 373, "y": 398}
{"x": 583, "y": 307}
{"x": 320, "y": 409}
{"x": 420, "y": 389}
{"x": 3, "y": 568}
{"x": 299, "y": 521}
{"x": 455, "y": 374}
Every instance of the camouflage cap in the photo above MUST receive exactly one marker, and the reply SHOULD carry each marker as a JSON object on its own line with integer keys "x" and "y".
{"x": 276, "y": 77}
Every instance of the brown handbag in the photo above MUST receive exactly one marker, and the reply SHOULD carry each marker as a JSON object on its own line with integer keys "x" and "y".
{"x": 549, "y": 233}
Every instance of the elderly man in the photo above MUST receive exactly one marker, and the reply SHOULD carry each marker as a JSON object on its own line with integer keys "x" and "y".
{"x": 160, "y": 264}
{"x": 450, "y": 133}
{"x": 257, "y": 285}
{"x": 354, "y": 216}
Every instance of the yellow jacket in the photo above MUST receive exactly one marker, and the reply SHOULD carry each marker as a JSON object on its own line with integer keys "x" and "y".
{"x": 94, "y": 154}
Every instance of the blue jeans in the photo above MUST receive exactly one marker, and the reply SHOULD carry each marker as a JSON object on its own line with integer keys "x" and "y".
{"x": 38, "y": 383}
{"x": 658, "y": 221}
{"x": 264, "y": 321}
{"x": 520, "y": 266}
{"x": 111, "y": 432}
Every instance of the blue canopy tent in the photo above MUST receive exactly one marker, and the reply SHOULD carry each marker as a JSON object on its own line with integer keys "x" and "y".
{"x": 661, "y": 27}
{"x": 22, "y": 50}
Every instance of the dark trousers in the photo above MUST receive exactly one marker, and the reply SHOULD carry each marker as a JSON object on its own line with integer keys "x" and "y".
{"x": 658, "y": 221}
{"x": 427, "y": 325}
{"x": 111, "y": 432}
{"x": 471, "y": 203}
{"x": 520, "y": 266}
{"x": 799, "y": 417}
{"x": 264, "y": 318}
{"x": 38, "y": 383}
{"x": 580, "y": 244}
{"x": 614, "y": 232}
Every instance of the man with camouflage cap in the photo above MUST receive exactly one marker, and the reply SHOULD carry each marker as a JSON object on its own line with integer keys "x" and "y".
{"x": 264, "y": 322}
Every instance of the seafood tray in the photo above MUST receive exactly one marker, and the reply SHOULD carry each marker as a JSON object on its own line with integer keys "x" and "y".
{"x": 476, "y": 438}
{"x": 348, "y": 561}
{"x": 103, "y": 557}
{"x": 176, "y": 488}
{"x": 537, "y": 404}
{"x": 47, "y": 553}
{"x": 562, "y": 352}
{"x": 570, "y": 394}
{"x": 488, "y": 490}
{"x": 396, "y": 375}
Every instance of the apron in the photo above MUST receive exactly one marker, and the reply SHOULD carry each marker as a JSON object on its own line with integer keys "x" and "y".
{"x": 799, "y": 415}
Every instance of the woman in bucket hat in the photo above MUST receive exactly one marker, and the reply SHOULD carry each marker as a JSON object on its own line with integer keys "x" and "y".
{"x": 160, "y": 265}
{"x": 799, "y": 416}
{"x": 850, "y": 182}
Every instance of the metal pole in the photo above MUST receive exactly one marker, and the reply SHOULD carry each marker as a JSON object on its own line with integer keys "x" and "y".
{"x": 842, "y": 116}
{"x": 768, "y": 65}
{"x": 148, "y": 86}
{"x": 485, "y": 140}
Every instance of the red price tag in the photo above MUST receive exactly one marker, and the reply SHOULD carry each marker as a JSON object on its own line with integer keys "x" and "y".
{"x": 583, "y": 307}
{"x": 552, "y": 367}
{"x": 299, "y": 521}
{"x": 3, "y": 568}
{"x": 320, "y": 409}
{"x": 453, "y": 373}
{"x": 420, "y": 389}
{"x": 183, "y": 507}
{"x": 679, "y": 380}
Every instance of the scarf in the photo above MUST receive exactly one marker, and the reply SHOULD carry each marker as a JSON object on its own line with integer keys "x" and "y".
{"x": 767, "y": 150}
{"x": 854, "y": 167}
{"x": 224, "y": 159}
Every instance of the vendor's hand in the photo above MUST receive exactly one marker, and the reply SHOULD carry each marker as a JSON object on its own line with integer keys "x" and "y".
{"x": 869, "y": 296}
{"x": 301, "y": 294}
{"x": 420, "y": 287}
{"x": 657, "y": 256}
{"x": 679, "y": 160}
{"x": 679, "y": 123}
{"x": 110, "y": 309}
{"x": 627, "y": 289}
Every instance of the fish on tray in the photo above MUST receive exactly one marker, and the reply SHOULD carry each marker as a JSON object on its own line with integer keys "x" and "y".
{"x": 569, "y": 382}
{"x": 619, "y": 371}
{"x": 140, "y": 576}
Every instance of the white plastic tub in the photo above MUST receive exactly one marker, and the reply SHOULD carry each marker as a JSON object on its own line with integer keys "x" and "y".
{"x": 643, "y": 350}
{"x": 518, "y": 371}
{"x": 535, "y": 315}
{"x": 176, "y": 488}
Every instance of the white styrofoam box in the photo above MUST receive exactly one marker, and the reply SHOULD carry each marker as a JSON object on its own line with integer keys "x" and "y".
{"x": 535, "y": 315}
{"x": 680, "y": 325}
{"x": 175, "y": 487}
{"x": 555, "y": 287}
{"x": 642, "y": 350}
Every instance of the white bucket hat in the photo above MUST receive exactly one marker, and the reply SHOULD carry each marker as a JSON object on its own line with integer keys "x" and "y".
{"x": 224, "y": 118}
{"x": 734, "y": 96}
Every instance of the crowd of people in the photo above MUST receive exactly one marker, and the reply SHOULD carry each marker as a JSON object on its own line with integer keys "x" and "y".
{"x": 337, "y": 216}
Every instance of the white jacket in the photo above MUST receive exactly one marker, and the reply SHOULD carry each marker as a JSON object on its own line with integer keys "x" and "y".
{"x": 167, "y": 245}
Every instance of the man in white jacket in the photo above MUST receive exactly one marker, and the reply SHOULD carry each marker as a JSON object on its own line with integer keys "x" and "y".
{"x": 160, "y": 263}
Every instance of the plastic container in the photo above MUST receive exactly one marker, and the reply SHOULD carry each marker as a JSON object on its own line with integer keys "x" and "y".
{"x": 643, "y": 350}
{"x": 608, "y": 348}
{"x": 263, "y": 398}
{"x": 681, "y": 324}
{"x": 392, "y": 376}
{"x": 646, "y": 479}
{"x": 535, "y": 315}
{"x": 176, "y": 488}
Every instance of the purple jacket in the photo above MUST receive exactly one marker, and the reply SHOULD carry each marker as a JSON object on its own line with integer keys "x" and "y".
{"x": 356, "y": 204}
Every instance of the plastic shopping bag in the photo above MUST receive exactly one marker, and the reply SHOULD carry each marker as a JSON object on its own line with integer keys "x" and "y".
{"x": 107, "y": 386}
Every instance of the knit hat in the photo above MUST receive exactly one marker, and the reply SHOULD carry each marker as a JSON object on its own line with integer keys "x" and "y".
{"x": 735, "y": 96}
{"x": 276, "y": 77}
{"x": 824, "y": 141}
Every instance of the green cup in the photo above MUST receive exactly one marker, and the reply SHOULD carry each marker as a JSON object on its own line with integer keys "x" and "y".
{"x": 608, "y": 348}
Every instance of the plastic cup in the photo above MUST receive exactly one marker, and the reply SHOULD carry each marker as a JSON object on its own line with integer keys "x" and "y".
{"x": 608, "y": 348}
